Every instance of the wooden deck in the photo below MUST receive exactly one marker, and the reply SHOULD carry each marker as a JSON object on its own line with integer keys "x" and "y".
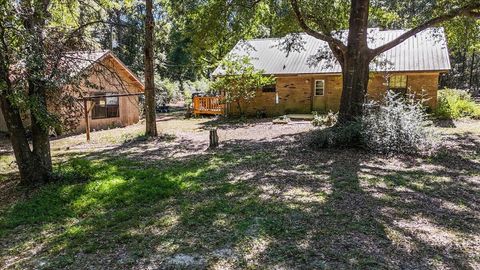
{"x": 208, "y": 105}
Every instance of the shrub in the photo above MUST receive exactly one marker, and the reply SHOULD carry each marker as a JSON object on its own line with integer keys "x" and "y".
{"x": 394, "y": 125}
{"x": 166, "y": 91}
{"x": 338, "y": 136}
{"x": 455, "y": 104}
{"x": 397, "y": 125}
{"x": 328, "y": 120}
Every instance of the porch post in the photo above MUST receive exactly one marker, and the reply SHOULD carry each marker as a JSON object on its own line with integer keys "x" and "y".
{"x": 87, "y": 121}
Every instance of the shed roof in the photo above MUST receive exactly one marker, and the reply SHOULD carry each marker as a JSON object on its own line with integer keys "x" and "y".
{"x": 425, "y": 51}
{"x": 80, "y": 61}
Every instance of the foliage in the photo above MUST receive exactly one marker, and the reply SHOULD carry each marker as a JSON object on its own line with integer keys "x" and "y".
{"x": 455, "y": 104}
{"x": 338, "y": 136}
{"x": 394, "y": 125}
{"x": 166, "y": 90}
{"x": 241, "y": 81}
{"x": 209, "y": 29}
{"x": 328, "y": 120}
{"x": 397, "y": 125}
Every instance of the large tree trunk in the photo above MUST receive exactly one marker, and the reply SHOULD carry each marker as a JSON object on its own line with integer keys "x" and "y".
{"x": 355, "y": 68}
{"x": 40, "y": 132}
{"x": 151, "y": 125}
{"x": 35, "y": 24}
{"x": 28, "y": 164}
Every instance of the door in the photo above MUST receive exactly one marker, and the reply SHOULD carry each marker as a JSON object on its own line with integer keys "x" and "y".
{"x": 319, "y": 98}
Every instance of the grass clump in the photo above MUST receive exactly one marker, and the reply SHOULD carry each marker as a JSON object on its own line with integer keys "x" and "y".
{"x": 456, "y": 104}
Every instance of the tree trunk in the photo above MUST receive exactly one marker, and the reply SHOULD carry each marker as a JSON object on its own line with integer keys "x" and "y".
{"x": 27, "y": 163}
{"x": 355, "y": 84}
{"x": 355, "y": 68}
{"x": 239, "y": 107}
{"x": 35, "y": 24}
{"x": 472, "y": 70}
{"x": 151, "y": 125}
{"x": 40, "y": 132}
{"x": 213, "y": 138}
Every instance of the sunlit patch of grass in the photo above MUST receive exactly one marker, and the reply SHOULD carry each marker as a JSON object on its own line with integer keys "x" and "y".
{"x": 258, "y": 203}
{"x": 7, "y": 166}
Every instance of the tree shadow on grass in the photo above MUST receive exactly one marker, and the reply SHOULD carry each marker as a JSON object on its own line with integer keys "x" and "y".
{"x": 249, "y": 204}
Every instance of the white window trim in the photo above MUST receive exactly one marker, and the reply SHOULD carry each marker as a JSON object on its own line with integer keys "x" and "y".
{"x": 315, "y": 88}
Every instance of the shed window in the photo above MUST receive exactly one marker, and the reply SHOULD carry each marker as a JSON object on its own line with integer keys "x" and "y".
{"x": 319, "y": 87}
{"x": 271, "y": 88}
{"x": 105, "y": 106}
{"x": 398, "y": 83}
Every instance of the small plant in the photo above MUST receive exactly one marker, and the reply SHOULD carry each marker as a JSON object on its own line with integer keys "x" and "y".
{"x": 284, "y": 119}
{"x": 328, "y": 120}
{"x": 397, "y": 125}
{"x": 456, "y": 104}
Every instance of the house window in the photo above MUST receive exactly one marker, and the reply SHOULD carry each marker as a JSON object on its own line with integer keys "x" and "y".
{"x": 319, "y": 87}
{"x": 398, "y": 84}
{"x": 271, "y": 88}
{"x": 105, "y": 106}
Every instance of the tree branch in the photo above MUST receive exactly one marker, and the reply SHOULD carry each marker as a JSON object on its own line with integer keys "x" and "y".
{"x": 467, "y": 10}
{"x": 325, "y": 37}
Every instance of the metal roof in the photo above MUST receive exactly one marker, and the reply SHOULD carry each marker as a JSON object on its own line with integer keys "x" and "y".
{"x": 425, "y": 51}
{"x": 80, "y": 61}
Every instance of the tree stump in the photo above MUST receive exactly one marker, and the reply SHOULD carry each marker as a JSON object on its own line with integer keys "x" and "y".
{"x": 213, "y": 138}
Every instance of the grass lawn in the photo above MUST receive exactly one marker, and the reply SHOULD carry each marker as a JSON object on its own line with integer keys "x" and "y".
{"x": 264, "y": 199}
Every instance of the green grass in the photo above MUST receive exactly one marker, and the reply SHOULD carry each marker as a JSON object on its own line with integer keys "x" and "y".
{"x": 293, "y": 208}
{"x": 101, "y": 202}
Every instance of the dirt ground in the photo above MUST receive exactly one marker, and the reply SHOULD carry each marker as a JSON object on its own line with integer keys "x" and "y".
{"x": 263, "y": 199}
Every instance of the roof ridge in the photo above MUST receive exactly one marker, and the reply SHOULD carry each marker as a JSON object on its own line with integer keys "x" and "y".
{"x": 410, "y": 56}
{"x": 369, "y": 28}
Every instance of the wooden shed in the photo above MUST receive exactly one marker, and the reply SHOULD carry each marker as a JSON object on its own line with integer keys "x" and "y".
{"x": 108, "y": 87}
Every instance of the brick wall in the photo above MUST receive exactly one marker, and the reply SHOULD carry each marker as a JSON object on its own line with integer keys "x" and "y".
{"x": 296, "y": 93}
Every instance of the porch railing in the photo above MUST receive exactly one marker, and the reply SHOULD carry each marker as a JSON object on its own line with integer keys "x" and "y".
{"x": 208, "y": 105}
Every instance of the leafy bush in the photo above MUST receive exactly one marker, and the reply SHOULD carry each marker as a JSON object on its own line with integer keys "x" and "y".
{"x": 397, "y": 125}
{"x": 338, "y": 136}
{"x": 202, "y": 85}
{"x": 328, "y": 120}
{"x": 455, "y": 104}
{"x": 394, "y": 125}
{"x": 241, "y": 81}
{"x": 166, "y": 91}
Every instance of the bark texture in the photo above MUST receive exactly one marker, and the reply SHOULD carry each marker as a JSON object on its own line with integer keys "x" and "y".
{"x": 355, "y": 68}
{"x": 151, "y": 125}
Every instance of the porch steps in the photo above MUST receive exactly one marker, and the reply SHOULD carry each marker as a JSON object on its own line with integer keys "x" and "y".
{"x": 300, "y": 116}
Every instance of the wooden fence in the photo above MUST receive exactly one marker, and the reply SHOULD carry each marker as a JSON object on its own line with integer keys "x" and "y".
{"x": 207, "y": 105}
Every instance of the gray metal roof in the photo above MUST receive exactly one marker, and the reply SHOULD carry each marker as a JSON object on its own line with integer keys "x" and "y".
{"x": 426, "y": 51}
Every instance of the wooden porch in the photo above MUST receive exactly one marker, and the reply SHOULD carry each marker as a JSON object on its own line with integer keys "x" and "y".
{"x": 208, "y": 105}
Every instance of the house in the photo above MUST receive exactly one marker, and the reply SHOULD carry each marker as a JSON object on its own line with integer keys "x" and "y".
{"x": 108, "y": 88}
{"x": 309, "y": 79}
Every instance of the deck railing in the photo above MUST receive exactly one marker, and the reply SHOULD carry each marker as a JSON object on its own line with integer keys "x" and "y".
{"x": 208, "y": 105}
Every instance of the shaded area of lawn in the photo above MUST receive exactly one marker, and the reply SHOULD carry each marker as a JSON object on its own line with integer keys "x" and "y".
{"x": 251, "y": 204}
